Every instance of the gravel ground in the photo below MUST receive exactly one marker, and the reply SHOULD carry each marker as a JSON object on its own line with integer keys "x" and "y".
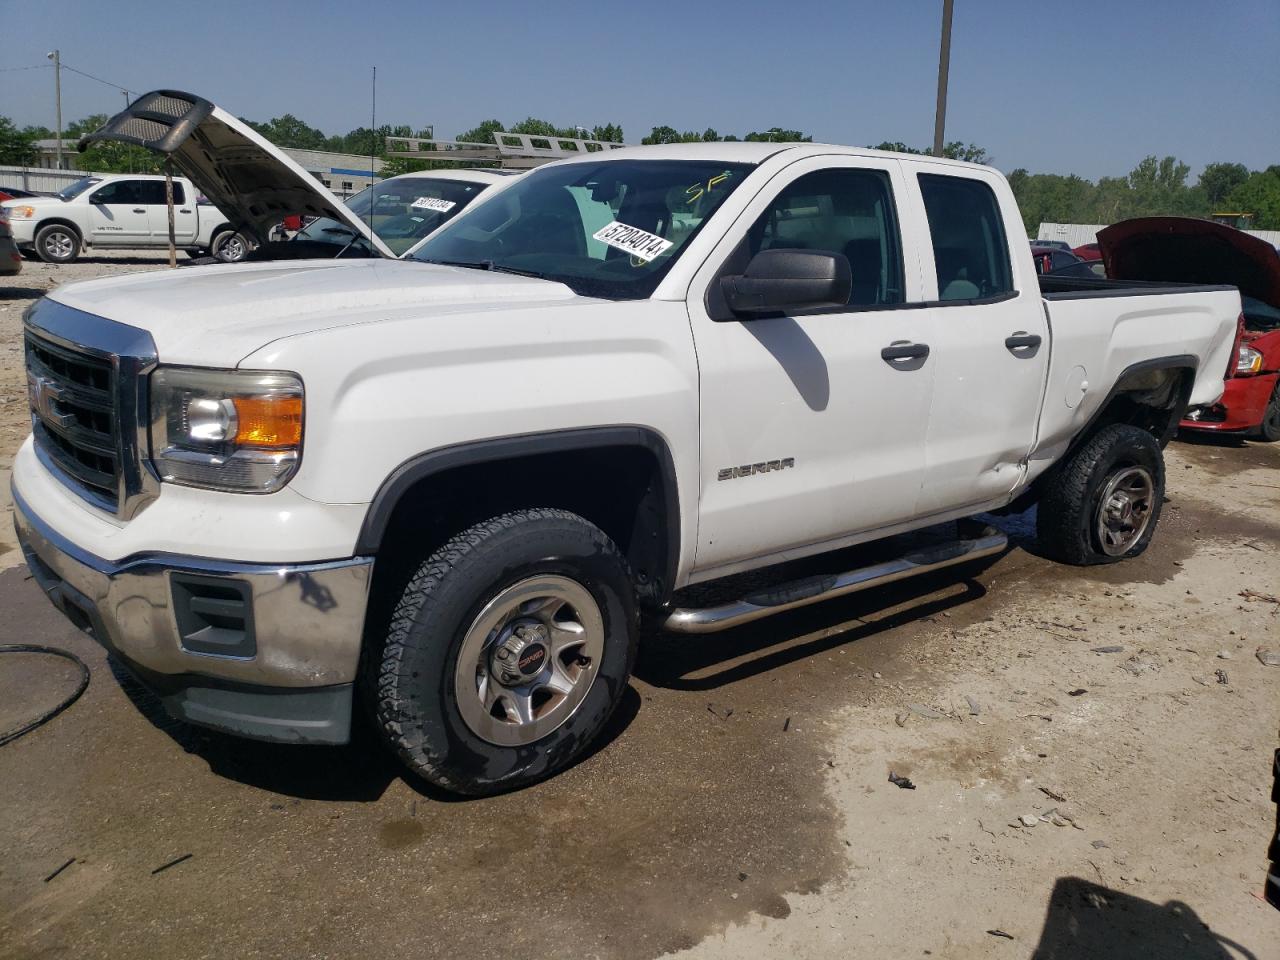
{"x": 1090, "y": 751}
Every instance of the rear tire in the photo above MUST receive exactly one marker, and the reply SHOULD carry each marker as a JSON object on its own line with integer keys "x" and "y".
{"x": 230, "y": 247}
{"x": 1103, "y": 503}
{"x": 1269, "y": 430}
{"x": 57, "y": 243}
{"x": 507, "y": 653}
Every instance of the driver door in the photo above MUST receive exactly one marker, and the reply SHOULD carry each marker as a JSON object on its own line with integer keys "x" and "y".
{"x": 810, "y": 432}
{"x": 118, "y": 215}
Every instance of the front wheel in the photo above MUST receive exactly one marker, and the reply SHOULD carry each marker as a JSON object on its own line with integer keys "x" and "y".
{"x": 57, "y": 243}
{"x": 1103, "y": 503}
{"x": 1269, "y": 429}
{"x": 507, "y": 653}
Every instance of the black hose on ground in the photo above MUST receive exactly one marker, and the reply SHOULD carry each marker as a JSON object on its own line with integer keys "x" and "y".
{"x": 48, "y": 715}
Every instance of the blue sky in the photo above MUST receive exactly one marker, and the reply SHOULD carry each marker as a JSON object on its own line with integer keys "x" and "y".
{"x": 1054, "y": 87}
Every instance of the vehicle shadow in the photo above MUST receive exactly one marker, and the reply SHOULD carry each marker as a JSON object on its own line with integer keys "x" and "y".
{"x": 1207, "y": 438}
{"x": 359, "y": 771}
{"x": 1085, "y": 919}
{"x": 21, "y": 293}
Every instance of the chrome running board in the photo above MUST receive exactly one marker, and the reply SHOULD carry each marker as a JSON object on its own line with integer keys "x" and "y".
{"x": 801, "y": 593}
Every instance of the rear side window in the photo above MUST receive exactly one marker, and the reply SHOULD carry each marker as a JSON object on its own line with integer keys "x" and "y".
{"x": 970, "y": 252}
{"x": 152, "y": 192}
{"x": 841, "y": 211}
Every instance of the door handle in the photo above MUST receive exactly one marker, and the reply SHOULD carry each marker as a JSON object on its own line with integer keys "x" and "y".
{"x": 1022, "y": 341}
{"x": 139, "y": 210}
{"x": 184, "y": 210}
{"x": 904, "y": 351}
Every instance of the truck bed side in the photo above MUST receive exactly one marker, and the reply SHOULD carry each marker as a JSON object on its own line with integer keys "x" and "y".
{"x": 1106, "y": 331}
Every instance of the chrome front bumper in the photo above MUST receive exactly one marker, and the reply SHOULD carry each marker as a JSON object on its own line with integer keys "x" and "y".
{"x": 305, "y": 622}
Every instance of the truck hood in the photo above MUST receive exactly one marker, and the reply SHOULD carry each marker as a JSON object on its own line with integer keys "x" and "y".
{"x": 217, "y": 315}
{"x": 253, "y": 182}
{"x": 1188, "y": 250}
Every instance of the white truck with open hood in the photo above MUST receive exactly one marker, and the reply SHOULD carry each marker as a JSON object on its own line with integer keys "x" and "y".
{"x": 453, "y": 481}
{"x": 232, "y": 188}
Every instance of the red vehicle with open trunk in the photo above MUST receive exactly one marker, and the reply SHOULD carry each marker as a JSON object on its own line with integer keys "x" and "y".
{"x": 1201, "y": 251}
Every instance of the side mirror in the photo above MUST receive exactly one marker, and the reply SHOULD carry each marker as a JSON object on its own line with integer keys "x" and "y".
{"x": 778, "y": 281}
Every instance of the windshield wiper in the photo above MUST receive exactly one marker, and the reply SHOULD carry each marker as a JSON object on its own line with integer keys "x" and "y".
{"x": 488, "y": 265}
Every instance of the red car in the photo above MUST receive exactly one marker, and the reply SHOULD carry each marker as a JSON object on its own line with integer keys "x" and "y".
{"x": 1185, "y": 250}
{"x": 1087, "y": 251}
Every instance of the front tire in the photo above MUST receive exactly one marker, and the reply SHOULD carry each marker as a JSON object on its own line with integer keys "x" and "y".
{"x": 1103, "y": 503}
{"x": 1269, "y": 429}
{"x": 57, "y": 243}
{"x": 507, "y": 653}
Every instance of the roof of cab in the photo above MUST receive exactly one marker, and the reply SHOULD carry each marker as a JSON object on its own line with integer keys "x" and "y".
{"x": 468, "y": 174}
{"x": 738, "y": 151}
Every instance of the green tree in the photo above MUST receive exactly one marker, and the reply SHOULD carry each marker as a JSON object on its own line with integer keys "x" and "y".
{"x": 1217, "y": 180}
{"x": 1259, "y": 195}
{"x": 482, "y": 132}
{"x": 969, "y": 152}
{"x": 17, "y": 147}
{"x": 777, "y": 135}
{"x": 111, "y": 156}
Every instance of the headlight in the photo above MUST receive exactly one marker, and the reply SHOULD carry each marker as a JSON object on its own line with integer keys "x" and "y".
{"x": 1248, "y": 361}
{"x": 236, "y": 430}
{"x": 22, "y": 212}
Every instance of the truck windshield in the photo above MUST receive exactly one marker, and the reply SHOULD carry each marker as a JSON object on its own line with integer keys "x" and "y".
{"x": 608, "y": 229}
{"x": 72, "y": 190}
{"x": 401, "y": 211}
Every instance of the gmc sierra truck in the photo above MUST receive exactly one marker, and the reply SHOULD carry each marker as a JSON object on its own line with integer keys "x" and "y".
{"x": 452, "y": 483}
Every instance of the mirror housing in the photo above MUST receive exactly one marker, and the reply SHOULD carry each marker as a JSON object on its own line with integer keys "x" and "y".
{"x": 780, "y": 281}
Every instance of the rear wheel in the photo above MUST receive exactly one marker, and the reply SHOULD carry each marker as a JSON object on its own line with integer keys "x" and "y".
{"x": 507, "y": 653}
{"x": 1103, "y": 503}
{"x": 57, "y": 243}
{"x": 230, "y": 247}
{"x": 1269, "y": 430}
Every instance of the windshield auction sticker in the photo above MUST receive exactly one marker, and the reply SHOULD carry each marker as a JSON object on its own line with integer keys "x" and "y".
{"x": 434, "y": 203}
{"x": 639, "y": 243}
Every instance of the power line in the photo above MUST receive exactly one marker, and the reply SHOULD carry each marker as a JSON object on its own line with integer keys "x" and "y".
{"x": 38, "y": 66}
{"x": 108, "y": 83}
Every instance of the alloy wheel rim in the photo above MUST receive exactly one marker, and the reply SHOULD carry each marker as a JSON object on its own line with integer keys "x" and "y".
{"x": 232, "y": 249}
{"x": 1124, "y": 510}
{"x": 529, "y": 659}
{"x": 58, "y": 245}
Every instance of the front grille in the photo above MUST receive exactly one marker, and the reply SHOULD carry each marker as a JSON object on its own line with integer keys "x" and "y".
{"x": 74, "y": 416}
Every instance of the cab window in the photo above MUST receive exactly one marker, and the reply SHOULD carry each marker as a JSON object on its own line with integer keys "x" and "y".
{"x": 970, "y": 252}
{"x": 847, "y": 211}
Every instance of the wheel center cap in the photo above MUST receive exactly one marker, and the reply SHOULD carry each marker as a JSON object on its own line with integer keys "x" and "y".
{"x": 521, "y": 655}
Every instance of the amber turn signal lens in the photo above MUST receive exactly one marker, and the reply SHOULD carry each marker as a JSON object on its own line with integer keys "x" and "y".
{"x": 270, "y": 422}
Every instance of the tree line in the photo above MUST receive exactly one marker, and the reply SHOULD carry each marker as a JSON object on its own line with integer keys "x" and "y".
{"x": 1156, "y": 186}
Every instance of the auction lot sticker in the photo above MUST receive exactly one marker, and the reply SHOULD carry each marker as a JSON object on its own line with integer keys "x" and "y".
{"x": 433, "y": 203}
{"x": 639, "y": 243}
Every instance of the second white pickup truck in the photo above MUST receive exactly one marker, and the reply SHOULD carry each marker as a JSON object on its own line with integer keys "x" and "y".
{"x": 451, "y": 482}
{"x": 116, "y": 211}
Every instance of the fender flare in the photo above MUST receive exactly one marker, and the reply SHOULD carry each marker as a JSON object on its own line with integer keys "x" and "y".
{"x": 434, "y": 462}
{"x": 1182, "y": 361}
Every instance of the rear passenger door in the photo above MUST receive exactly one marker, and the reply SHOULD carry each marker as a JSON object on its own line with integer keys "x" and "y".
{"x": 991, "y": 339}
{"x": 117, "y": 215}
{"x": 184, "y": 212}
{"x": 810, "y": 434}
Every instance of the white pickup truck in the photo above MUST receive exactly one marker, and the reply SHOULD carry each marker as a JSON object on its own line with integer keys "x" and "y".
{"x": 451, "y": 483}
{"x": 116, "y": 211}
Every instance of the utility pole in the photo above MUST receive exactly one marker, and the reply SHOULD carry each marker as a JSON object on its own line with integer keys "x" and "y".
{"x": 944, "y": 68}
{"x": 56, "y": 57}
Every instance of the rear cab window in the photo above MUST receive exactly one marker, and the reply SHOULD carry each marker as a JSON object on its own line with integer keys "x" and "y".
{"x": 970, "y": 249}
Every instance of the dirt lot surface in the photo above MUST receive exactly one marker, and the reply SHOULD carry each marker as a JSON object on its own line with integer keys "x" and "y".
{"x": 1090, "y": 751}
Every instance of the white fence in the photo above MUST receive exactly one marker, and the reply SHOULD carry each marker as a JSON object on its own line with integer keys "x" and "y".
{"x": 1077, "y": 234}
{"x": 38, "y": 180}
